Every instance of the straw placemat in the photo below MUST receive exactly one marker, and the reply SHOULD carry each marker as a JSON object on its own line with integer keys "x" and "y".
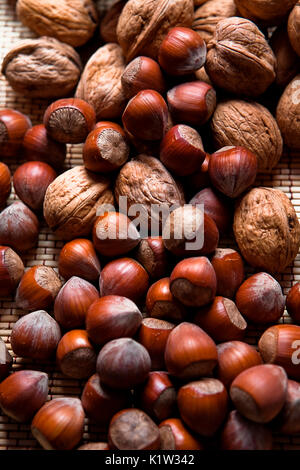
{"x": 285, "y": 177}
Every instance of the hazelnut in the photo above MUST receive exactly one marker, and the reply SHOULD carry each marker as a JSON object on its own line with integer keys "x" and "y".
{"x": 161, "y": 304}
{"x": 293, "y": 26}
{"x": 175, "y": 436}
{"x": 142, "y": 73}
{"x": 39, "y": 146}
{"x": 75, "y": 356}
{"x": 287, "y": 421}
{"x": 153, "y": 335}
{"x": 287, "y": 113}
{"x": 215, "y": 206}
{"x": 78, "y": 258}
{"x": 260, "y": 299}
{"x": 229, "y": 269}
{"x": 11, "y": 271}
{"x": 293, "y": 302}
{"x": 19, "y": 227}
{"x": 152, "y": 255}
{"x": 5, "y": 184}
{"x": 5, "y": 360}
{"x": 13, "y": 127}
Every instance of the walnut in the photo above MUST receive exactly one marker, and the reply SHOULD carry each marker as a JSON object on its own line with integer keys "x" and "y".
{"x": 109, "y": 22}
{"x": 239, "y": 58}
{"x": 288, "y": 114}
{"x": 208, "y": 15}
{"x": 267, "y": 229}
{"x": 70, "y": 21}
{"x": 251, "y": 125}
{"x": 100, "y": 83}
{"x": 294, "y": 28}
{"x": 268, "y": 12}
{"x": 144, "y": 180}
{"x": 287, "y": 59}
{"x": 143, "y": 24}
{"x": 72, "y": 200}
{"x": 42, "y": 68}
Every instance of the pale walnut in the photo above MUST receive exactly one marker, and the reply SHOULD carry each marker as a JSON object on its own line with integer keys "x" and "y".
{"x": 287, "y": 59}
{"x": 143, "y": 24}
{"x": 294, "y": 28}
{"x": 267, "y": 229}
{"x": 269, "y": 12}
{"x": 207, "y": 16}
{"x": 246, "y": 123}
{"x": 239, "y": 58}
{"x": 100, "y": 84}
{"x": 288, "y": 114}
{"x": 72, "y": 200}
{"x": 109, "y": 22}
{"x": 70, "y": 21}
{"x": 42, "y": 68}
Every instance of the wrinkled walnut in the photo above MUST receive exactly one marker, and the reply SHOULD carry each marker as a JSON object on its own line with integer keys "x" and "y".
{"x": 208, "y": 15}
{"x": 70, "y": 21}
{"x": 267, "y": 229}
{"x": 100, "y": 84}
{"x": 109, "y": 22}
{"x": 72, "y": 200}
{"x": 288, "y": 114}
{"x": 251, "y": 125}
{"x": 143, "y": 24}
{"x": 239, "y": 58}
{"x": 287, "y": 59}
{"x": 42, "y": 68}
{"x": 266, "y": 11}
{"x": 294, "y": 28}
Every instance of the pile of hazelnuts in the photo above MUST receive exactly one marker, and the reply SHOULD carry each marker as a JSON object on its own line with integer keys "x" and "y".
{"x": 155, "y": 333}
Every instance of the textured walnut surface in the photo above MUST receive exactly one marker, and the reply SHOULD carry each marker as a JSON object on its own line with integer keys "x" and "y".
{"x": 266, "y": 11}
{"x": 144, "y": 23}
{"x": 267, "y": 229}
{"x": 239, "y": 58}
{"x": 43, "y": 67}
{"x": 251, "y": 125}
{"x": 100, "y": 83}
{"x": 288, "y": 114}
{"x": 209, "y": 14}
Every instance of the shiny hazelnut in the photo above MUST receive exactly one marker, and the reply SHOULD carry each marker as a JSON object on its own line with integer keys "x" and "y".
{"x": 19, "y": 227}
{"x": 259, "y": 393}
{"x": 38, "y": 288}
{"x": 293, "y": 302}
{"x": 288, "y": 420}
{"x": 175, "y": 436}
{"x": 5, "y": 360}
{"x": 192, "y": 103}
{"x": 260, "y": 299}
{"x": 75, "y": 355}
{"x": 229, "y": 268}
{"x": 110, "y": 125}
{"x": 11, "y": 271}
{"x": 35, "y": 335}
{"x": 181, "y": 150}
{"x": 153, "y": 335}
{"x": 146, "y": 116}
{"x": 190, "y": 352}
{"x": 58, "y": 425}
{"x": 142, "y": 73}
{"x": 39, "y": 146}
{"x": 78, "y": 258}
{"x": 232, "y": 170}
{"x": 13, "y": 126}
{"x": 216, "y": 207}
{"x": 193, "y": 282}
{"x": 31, "y": 181}
{"x": 203, "y": 405}
{"x": 69, "y": 120}
{"x": 161, "y": 304}
{"x": 152, "y": 255}
{"x": 112, "y": 317}
{"x": 123, "y": 363}
{"x": 5, "y": 184}
{"x": 183, "y": 51}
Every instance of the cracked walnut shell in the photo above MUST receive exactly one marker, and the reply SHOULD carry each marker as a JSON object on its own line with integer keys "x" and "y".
{"x": 207, "y": 16}
{"x": 239, "y": 59}
{"x": 42, "y": 68}
{"x": 72, "y": 200}
{"x": 267, "y": 229}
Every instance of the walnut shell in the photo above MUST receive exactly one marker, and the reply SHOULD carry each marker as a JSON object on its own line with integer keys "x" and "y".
{"x": 294, "y": 28}
{"x": 267, "y": 229}
{"x": 266, "y": 11}
{"x": 109, "y": 22}
{"x": 251, "y": 125}
{"x": 208, "y": 15}
{"x": 239, "y": 58}
{"x": 70, "y": 21}
{"x": 72, "y": 200}
{"x": 42, "y": 68}
{"x": 145, "y": 180}
{"x": 143, "y": 24}
{"x": 100, "y": 83}
{"x": 287, "y": 59}
{"x": 288, "y": 114}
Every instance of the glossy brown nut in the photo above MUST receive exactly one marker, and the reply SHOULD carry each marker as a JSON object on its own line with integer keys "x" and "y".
{"x": 11, "y": 271}
{"x": 13, "y": 127}
{"x": 23, "y": 393}
{"x": 190, "y": 353}
{"x": 153, "y": 335}
{"x": 35, "y": 335}
{"x": 293, "y": 302}
{"x": 112, "y": 317}
{"x": 259, "y": 393}
{"x": 110, "y": 125}
{"x": 142, "y": 73}
{"x": 58, "y": 425}
{"x": 216, "y": 207}
{"x": 199, "y": 180}
{"x": 5, "y": 360}
{"x": 31, "y": 181}
{"x": 5, "y": 183}
{"x": 229, "y": 268}
{"x": 203, "y": 405}
{"x": 260, "y": 299}
{"x": 288, "y": 420}
{"x": 193, "y": 282}
{"x": 75, "y": 355}
{"x": 192, "y": 103}
{"x": 161, "y": 304}
{"x": 69, "y": 120}
{"x": 39, "y": 146}
{"x": 78, "y": 258}
{"x": 19, "y": 227}
{"x": 146, "y": 116}
{"x": 152, "y": 254}
{"x": 175, "y": 436}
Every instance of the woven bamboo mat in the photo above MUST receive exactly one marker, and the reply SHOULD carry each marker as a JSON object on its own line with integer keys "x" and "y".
{"x": 285, "y": 177}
